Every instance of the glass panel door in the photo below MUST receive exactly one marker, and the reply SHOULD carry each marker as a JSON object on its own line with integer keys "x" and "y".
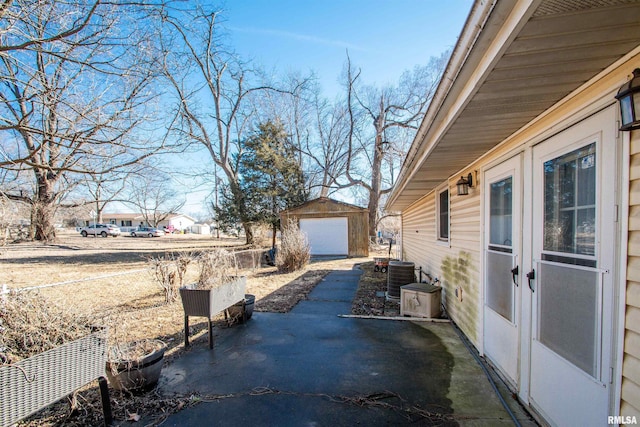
{"x": 500, "y": 292}
{"x": 570, "y": 203}
{"x": 570, "y": 283}
{"x": 501, "y": 271}
{"x": 568, "y": 300}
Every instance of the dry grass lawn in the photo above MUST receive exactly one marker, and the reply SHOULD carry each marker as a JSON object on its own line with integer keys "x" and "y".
{"x": 110, "y": 279}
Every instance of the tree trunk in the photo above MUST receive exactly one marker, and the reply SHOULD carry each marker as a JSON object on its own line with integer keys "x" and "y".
{"x": 324, "y": 192}
{"x": 374, "y": 194}
{"x": 238, "y": 200}
{"x": 273, "y": 235}
{"x": 248, "y": 233}
{"x": 376, "y": 177}
{"x": 43, "y": 211}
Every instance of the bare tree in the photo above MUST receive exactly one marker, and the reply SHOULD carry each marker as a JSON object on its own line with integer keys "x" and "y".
{"x": 107, "y": 187}
{"x": 393, "y": 115}
{"x": 328, "y": 151}
{"x": 153, "y": 195}
{"x": 214, "y": 110}
{"x": 214, "y": 92}
{"x": 75, "y": 92}
{"x": 14, "y": 12}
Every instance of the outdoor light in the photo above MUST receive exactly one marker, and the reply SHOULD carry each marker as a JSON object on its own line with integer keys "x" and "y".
{"x": 463, "y": 185}
{"x": 629, "y": 98}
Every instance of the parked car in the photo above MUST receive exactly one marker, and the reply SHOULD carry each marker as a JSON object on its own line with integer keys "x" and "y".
{"x": 103, "y": 230}
{"x": 147, "y": 232}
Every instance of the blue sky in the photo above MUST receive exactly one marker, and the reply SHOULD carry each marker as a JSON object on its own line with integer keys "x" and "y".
{"x": 384, "y": 38}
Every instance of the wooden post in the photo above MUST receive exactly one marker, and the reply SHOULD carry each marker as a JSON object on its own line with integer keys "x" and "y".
{"x": 106, "y": 402}
{"x": 210, "y": 334}
{"x": 186, "y": 331}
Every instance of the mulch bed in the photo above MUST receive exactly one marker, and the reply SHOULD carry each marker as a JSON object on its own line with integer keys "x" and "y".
{"x": 370, "y": 299}
{"x": 285, "y": 298}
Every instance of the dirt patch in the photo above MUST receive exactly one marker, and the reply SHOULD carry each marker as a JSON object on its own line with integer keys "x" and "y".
{"x": 283, "y": 299}
{"x": 370, "y": 298}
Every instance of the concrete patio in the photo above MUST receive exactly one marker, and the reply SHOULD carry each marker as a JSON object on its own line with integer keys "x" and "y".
{"x": 312, "y": 367}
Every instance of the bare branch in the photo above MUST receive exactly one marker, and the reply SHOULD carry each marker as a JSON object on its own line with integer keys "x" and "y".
{"x": 394, "y": 113}
{"x": 76, "y": 28}
{"x": 75, "y": 96}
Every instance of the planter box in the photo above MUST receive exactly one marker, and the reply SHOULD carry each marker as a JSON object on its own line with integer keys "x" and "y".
{"x": 34, "y": 383}
{"x": 209, "y": 302}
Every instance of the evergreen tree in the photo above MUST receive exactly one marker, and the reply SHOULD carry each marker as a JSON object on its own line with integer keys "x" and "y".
{"x": 271, "y": 179}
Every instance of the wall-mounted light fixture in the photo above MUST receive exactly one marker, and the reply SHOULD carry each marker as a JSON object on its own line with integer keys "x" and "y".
{"x": 629, "y": 98}
{"x": 463, "y": 185}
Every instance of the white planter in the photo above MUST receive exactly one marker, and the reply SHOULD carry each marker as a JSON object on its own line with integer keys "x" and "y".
{"x": 209, "y": 302}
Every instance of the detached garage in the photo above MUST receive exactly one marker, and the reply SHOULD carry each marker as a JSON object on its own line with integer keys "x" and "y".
{"x": 332, "y": 227}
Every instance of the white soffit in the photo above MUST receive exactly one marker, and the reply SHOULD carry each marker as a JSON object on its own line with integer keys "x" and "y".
{"x": 557, "y": 46}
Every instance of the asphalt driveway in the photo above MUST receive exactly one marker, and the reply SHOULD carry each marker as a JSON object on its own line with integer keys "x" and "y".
{"x": 310, "y": 367}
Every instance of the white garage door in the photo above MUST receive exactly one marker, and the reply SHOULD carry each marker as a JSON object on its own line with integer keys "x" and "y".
{"x": 327, "y": 236}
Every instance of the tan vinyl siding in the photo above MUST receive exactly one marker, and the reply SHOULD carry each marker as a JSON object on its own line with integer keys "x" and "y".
{"x": 465, "y": 247}
{"x": 631, "y": 374}
{"x": 455, "y": 264}
{"x": 419, "y": 236}
{"x": 630, "y": 396}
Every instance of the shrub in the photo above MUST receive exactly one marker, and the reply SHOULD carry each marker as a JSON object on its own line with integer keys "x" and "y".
{"x": 294, "y": 252}
{"x": 215, "y": 268}
{"x": 30, "y": 324}
{"x": 262, "y": 236}
{"x": 169, "y": 273}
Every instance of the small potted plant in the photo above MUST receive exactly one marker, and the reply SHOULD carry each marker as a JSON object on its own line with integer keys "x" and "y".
{"x": 218, "y": 288}
{"x": 243, "y": 310}
{"x": 135, "y": 365}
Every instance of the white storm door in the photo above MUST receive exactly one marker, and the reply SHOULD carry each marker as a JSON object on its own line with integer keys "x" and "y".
{"x": 326, "y": 236}
{"x": 502, "y": 213}
{"x": 571, "y": 282}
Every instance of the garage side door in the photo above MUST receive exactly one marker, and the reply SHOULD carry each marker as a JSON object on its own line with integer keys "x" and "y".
{"x": 327, "y": 236}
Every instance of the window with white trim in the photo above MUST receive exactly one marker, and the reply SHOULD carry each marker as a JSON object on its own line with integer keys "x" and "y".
{"x": 442, "y": 219}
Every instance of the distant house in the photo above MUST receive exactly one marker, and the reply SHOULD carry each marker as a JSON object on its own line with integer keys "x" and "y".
{"x": 521, "y": 195}
{"x": 179, "y": 222}
{"x": 201, "y": 229}
{"x": 128, "y": 221}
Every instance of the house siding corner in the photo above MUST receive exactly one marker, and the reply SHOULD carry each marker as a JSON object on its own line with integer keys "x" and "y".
{"x": 630, "y": 393}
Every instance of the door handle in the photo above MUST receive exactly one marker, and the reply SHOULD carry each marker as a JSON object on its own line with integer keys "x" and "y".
{"x": 531, "y": 276}
{"x": 514, "y": 272}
